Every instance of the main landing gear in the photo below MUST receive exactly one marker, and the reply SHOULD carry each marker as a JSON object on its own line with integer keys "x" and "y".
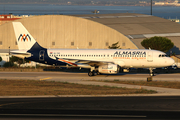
{"x": 92, "y": 72}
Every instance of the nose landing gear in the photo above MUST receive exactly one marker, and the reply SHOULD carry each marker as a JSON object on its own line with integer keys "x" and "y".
{"x": 151, "y": 75}
{"x": 151, "y": 72}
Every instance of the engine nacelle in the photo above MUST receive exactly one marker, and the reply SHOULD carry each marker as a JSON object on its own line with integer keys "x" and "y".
{"x": 109, "y": 69}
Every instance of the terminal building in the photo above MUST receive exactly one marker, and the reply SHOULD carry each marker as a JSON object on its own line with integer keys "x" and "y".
{"x": 93, "y": 31}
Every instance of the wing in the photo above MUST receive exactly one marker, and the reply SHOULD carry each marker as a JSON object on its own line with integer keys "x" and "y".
{"x": 76, "y": 62}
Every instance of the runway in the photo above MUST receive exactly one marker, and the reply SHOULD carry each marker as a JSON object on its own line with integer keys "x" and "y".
{"x": 86, "y": 108}
{"x": 125, "y": 107}
{"x": 60, "y": 76}
{"x": 83, "y": 78}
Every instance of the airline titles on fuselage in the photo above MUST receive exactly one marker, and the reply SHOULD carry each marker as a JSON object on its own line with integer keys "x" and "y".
{"x": 116, "y": 55}
{"x": 129, "y": 55}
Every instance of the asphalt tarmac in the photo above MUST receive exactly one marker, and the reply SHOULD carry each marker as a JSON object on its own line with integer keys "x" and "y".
{"x": 67, "y": 76}
{"x": 83, "y": 78}
{"x": 165, "y": 105}
{"x": 85, "y": 108}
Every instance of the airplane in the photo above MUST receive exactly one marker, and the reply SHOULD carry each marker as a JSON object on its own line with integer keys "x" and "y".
{"x": 99, "y": 61}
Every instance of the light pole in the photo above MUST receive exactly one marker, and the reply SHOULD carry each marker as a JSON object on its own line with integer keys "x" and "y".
{"x": 9, "y": 53}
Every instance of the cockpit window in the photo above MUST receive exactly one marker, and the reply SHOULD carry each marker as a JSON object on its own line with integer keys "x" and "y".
{"x": 164, "y": 55}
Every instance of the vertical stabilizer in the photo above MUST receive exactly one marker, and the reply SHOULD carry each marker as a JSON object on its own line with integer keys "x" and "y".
{"x": 24, "y": 39}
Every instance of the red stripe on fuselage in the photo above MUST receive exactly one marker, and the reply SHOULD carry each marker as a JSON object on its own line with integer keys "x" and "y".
{"x": 67, "y": 62}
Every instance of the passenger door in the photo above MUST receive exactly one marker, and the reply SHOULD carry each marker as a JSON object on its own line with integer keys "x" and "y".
{"x": 150, "y": 56}
{"x": 41, "y": 55}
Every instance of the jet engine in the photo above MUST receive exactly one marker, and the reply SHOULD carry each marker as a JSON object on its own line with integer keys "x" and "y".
{"x": 109, "y": 69}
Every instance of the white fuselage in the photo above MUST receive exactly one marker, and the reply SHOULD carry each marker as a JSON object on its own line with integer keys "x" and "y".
{"x": 124, "y": 58}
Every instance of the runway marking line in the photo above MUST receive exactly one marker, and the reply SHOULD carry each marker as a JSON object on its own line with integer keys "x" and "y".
{"x": 10, "y": 104}
{"x": 45, "y": 78}
{"x": 63, "y": 115}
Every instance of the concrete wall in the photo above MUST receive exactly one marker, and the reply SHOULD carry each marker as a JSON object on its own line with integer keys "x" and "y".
{"x": 60, "y": 31}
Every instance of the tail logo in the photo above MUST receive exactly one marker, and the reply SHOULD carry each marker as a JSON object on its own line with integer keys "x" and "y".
{"x": 24, "y": 37}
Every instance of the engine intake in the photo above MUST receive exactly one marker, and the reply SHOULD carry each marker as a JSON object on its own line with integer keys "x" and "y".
{"x": 110, "y": 69}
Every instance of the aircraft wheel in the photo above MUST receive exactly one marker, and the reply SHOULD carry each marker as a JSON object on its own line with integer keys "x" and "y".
{"x": 95, "y": 73}
{"x": 152, "y": 74}
{"x": 99, "y": 73}
{"x": 90, "y": 74}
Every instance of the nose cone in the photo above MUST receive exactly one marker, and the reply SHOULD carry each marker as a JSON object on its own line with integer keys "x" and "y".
{"x": 170, "y": 62}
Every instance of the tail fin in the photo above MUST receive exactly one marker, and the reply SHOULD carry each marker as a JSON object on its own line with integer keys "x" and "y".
{"x": 24, "y": 39}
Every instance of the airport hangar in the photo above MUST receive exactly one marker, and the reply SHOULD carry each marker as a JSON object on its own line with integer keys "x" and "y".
{"x": 93, "y": 31}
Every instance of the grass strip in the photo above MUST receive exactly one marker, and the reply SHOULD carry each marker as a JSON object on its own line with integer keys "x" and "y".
{"x": 32, "y": 87}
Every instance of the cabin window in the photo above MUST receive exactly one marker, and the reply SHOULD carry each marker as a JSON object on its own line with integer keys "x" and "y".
{"x": 0, "y": 42}
{"x": 123, "y": 44}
